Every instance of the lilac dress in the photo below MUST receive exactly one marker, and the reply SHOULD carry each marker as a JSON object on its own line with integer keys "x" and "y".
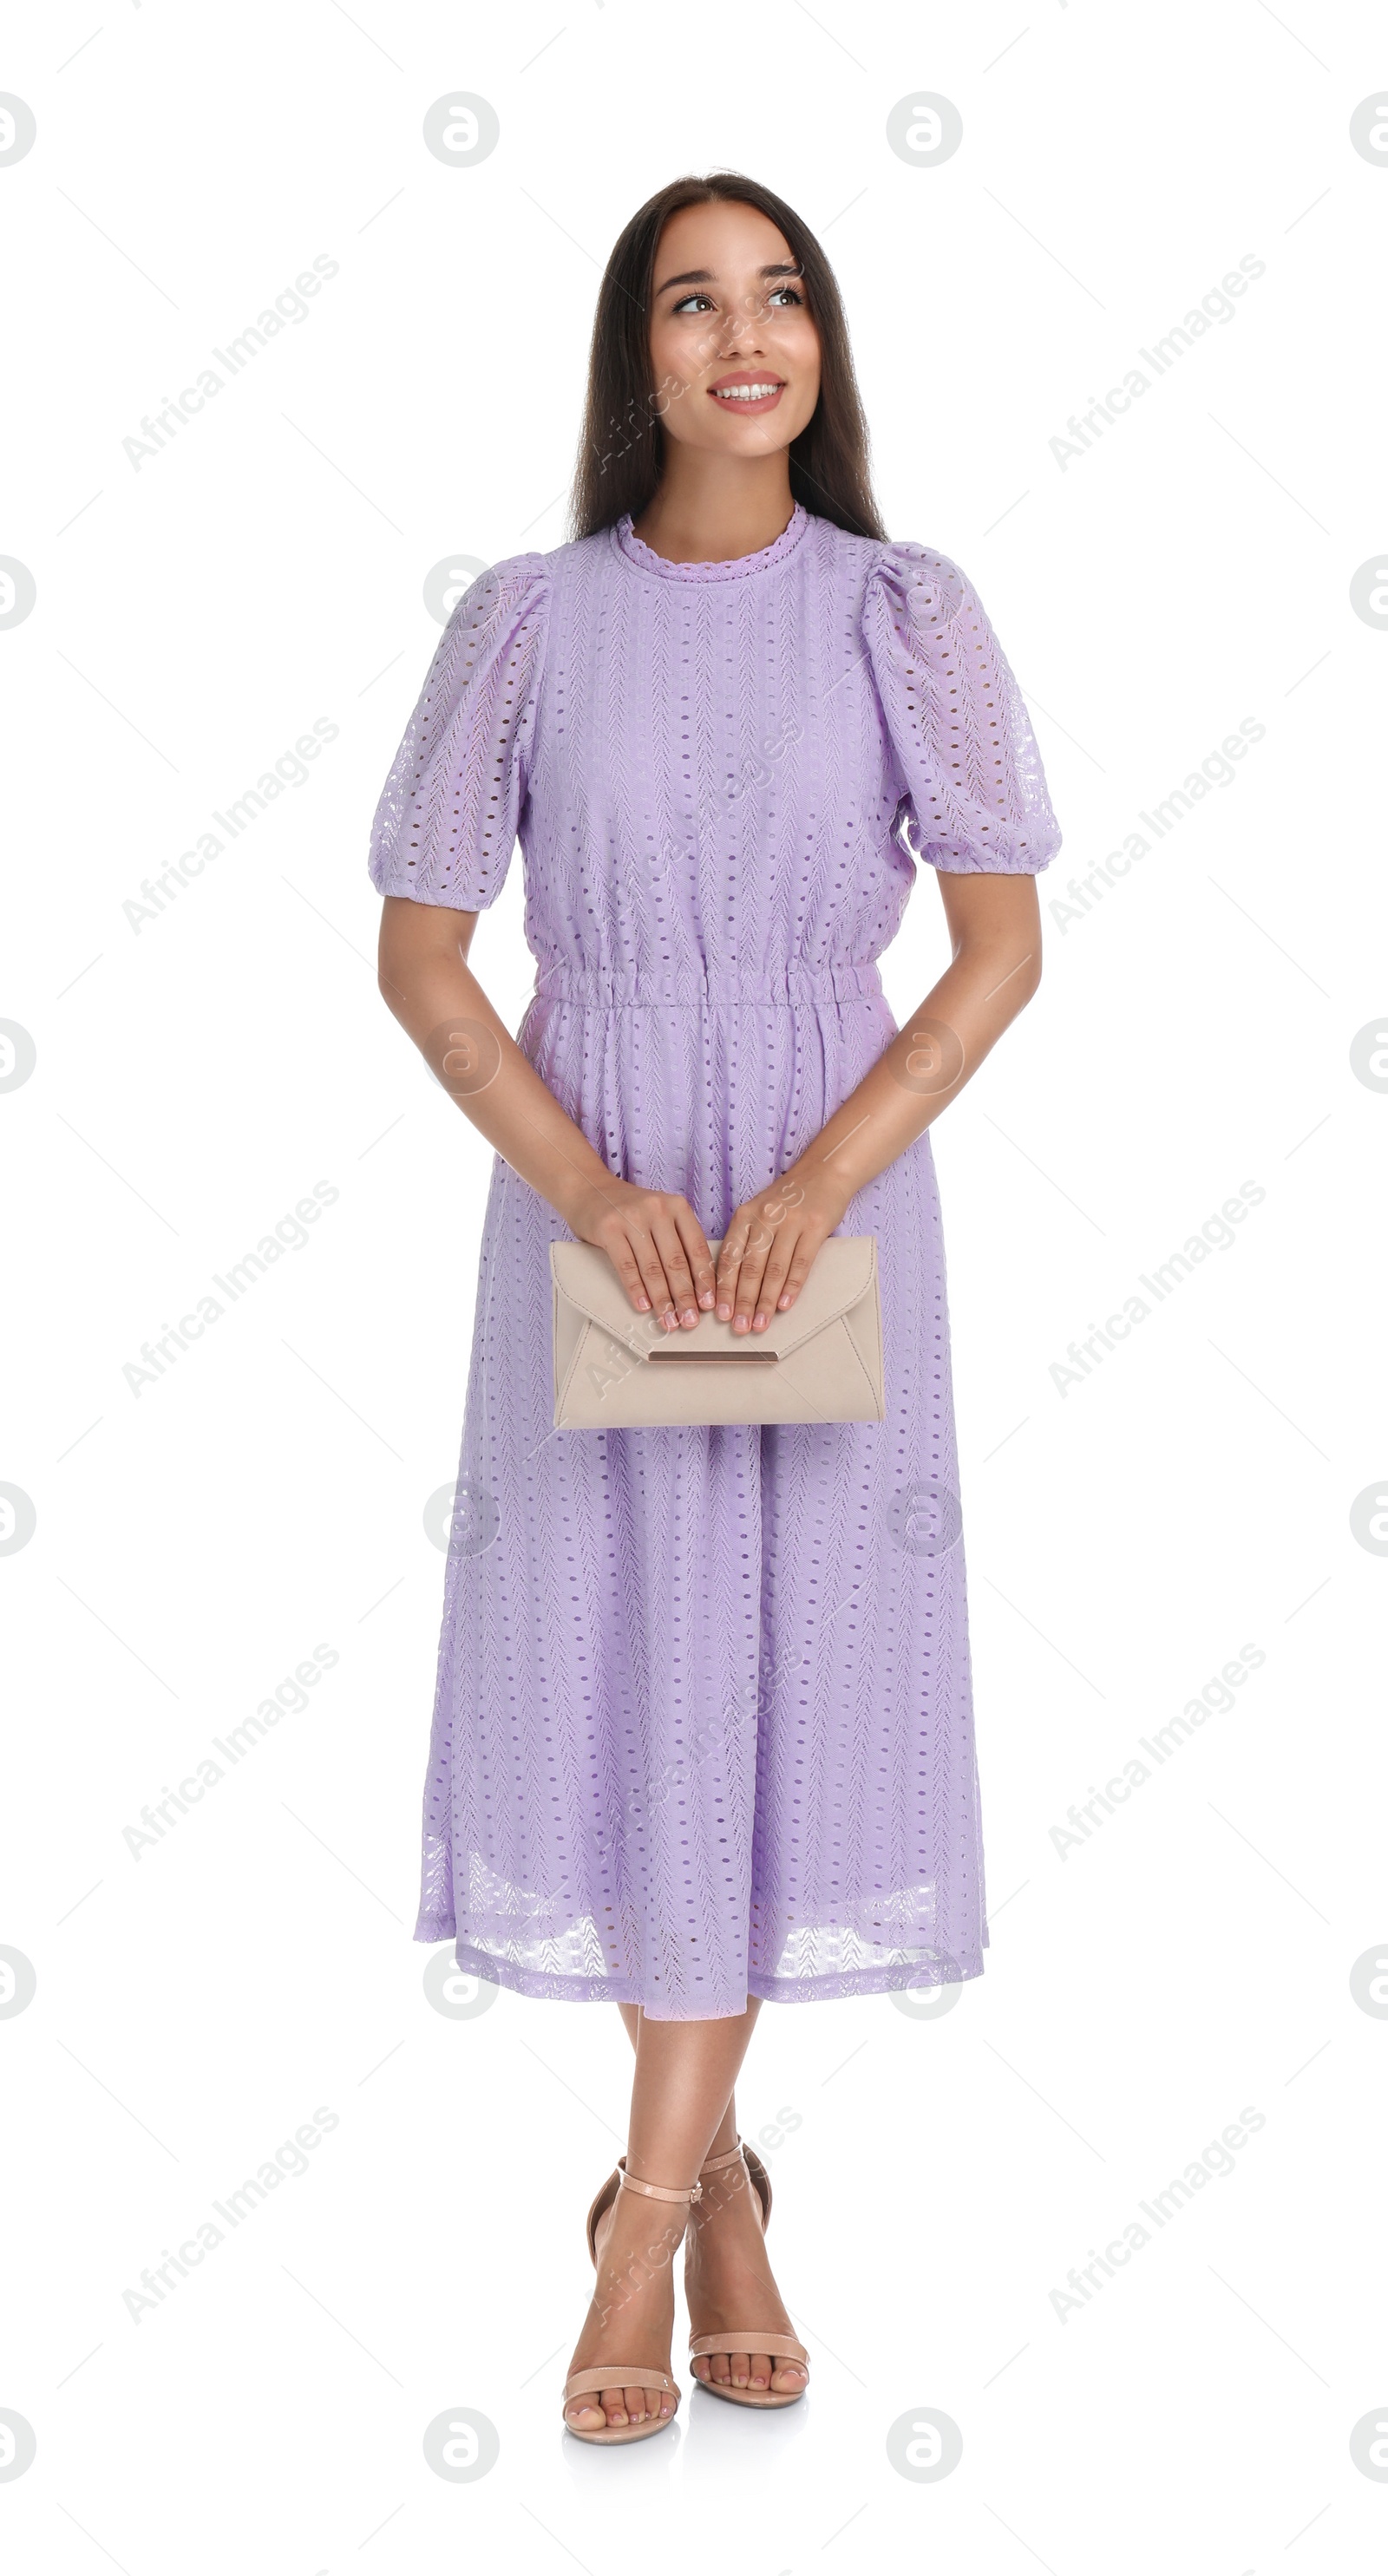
{"x": 703, "y": 1726}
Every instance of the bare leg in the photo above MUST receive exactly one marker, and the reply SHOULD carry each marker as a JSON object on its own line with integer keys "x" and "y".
{"x": 727, "y": 2277}
{"x": 726, "y": 2130}
{"x": 685, "y": 2072}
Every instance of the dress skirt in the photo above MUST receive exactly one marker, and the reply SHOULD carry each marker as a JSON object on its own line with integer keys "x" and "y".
{"x": 703, "y": 1725}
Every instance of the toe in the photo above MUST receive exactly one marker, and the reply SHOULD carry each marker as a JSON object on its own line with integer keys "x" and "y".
{"x": 739, "y": 2368}
{"x": 613, "y": 2404}
{"x": 788, "y": 2376}
{"x": 760, "y": 2373}
{"x": 585, "y": 2416}
{"x": 700, "y": 2366}
{"x": 635, "y": 2401}
{"x": 720, "y": 2368}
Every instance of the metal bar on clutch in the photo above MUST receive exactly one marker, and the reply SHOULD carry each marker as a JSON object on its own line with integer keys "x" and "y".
{"x": 714, "y": 1359}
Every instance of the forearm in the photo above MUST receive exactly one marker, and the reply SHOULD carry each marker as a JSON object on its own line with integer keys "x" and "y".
{"x": 435, "y": 996}
{"x": 926, "y": 1066}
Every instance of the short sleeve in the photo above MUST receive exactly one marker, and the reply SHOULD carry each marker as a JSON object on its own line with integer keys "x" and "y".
{"x": 976, "y": 795}
{"x": 446, "y": 823}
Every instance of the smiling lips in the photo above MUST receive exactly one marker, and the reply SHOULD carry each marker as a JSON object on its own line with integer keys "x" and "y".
{"x": 748, "y": 392}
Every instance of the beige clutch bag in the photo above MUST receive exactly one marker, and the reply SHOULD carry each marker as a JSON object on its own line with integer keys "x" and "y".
{"x": 819, "y": 1362}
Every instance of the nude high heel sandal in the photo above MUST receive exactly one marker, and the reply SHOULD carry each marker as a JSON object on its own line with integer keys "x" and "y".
{"x": 626, "y": 2374}
{"x": 781, "y": 2346}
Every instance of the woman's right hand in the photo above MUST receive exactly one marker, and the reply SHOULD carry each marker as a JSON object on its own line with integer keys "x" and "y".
{"x": 655, "y": 1244}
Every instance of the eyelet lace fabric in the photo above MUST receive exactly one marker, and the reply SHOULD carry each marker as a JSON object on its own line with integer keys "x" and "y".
{"x": 736, "y": 568}
{"x": 703, "y": 1723}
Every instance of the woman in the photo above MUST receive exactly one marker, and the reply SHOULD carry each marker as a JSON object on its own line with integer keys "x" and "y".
{"x": 703, "y": 1733}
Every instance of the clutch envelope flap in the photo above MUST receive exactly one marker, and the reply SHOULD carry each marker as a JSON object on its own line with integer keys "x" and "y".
{"x": 840, "y": 1275}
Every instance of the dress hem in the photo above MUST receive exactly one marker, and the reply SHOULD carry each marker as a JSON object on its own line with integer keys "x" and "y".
{"x": 544, "y": 1987}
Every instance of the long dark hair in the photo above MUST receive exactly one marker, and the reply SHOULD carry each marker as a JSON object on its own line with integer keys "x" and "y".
{"x": 622, "y": 450}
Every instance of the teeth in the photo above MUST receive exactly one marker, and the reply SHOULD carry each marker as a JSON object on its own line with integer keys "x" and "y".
{"x": 744, "y": 393}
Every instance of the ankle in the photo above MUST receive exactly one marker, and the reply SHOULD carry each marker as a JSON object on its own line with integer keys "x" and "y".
{"x": 678, "y": 2198}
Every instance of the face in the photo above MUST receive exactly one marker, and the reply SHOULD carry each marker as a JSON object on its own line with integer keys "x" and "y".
{"x": 734, "y": 349}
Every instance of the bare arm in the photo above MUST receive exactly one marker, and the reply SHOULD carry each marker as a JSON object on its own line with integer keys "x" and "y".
{"x": 652, "y": 1237}
{"x": 995, "y": 932}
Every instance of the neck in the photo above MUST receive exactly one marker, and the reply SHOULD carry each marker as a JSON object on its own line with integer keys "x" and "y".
{"x": 711, "y": 509}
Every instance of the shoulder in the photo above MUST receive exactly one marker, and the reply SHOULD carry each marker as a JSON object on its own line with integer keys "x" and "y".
{"x": 550, "y": 568}
{"x": 512, "y": 580}
{"x": 897, "y": 579}
{"x": 503, "y": 609}
{"x": 920, "y": 583}
{"x": 528, "y": 583}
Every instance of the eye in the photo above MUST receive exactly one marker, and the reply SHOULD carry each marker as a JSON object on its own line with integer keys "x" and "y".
{"x": 696, "y": 297}
{"x": 792, "y": 291}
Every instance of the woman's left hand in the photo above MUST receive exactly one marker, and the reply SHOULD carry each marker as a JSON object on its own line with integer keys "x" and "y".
{"x": 769, "y": 1245}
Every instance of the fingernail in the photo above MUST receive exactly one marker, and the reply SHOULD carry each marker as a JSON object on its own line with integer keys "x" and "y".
{"x": 707, "y": 1299}
{"x": 643, "y": 1305}
{"x": 723, "y": 1313}
{"x": 690, "y": 1315}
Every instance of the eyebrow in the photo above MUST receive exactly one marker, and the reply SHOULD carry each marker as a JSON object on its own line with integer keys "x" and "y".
{"x": 705, "y": 276}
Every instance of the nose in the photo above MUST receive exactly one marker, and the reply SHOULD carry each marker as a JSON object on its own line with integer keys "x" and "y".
{"x": 740, "y": 334}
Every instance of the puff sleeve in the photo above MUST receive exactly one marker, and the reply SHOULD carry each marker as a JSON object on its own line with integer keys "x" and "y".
{"x": 445, "y": 826}
{"x": 970, "y": 772}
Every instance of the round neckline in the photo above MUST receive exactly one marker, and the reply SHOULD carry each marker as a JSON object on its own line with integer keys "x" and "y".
{"x": 643, "y": 558}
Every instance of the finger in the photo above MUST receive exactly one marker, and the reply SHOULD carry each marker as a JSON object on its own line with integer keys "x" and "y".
{"x": 623, "y": 1261}
{"x": 729, "y": 1261}
{"x": 652, "y": 1271}
{"x": 672, "y": 1254}
{"x": 773, "y": 1280}
{"x": 801, "y": 1260}
{"x": 749, "y": 1278}
{"x": 698, "y": 1255}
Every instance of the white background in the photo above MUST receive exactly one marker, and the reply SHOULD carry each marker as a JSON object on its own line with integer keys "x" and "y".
{"x": 936, "y": 2179}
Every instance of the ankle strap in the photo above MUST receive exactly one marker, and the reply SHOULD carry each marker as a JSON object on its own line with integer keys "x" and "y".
{"x": 656, "y": 2190}
{"x": 716, "y": 2164}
